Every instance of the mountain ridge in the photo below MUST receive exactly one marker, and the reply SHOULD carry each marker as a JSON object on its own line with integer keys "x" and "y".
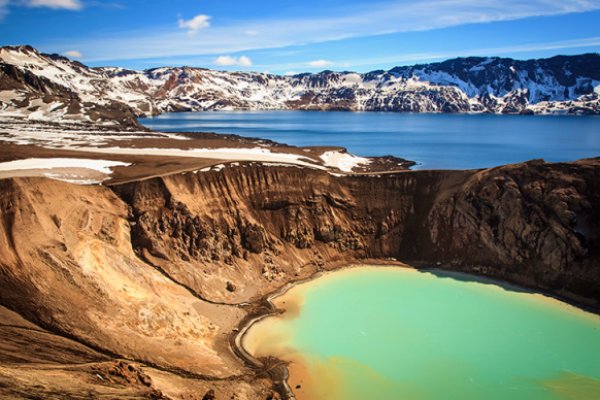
{"x": 114, "y": 95}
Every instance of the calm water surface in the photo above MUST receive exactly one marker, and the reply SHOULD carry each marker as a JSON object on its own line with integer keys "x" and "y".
{"x": 391, "y": 333}
{"x": 434, "y": 140}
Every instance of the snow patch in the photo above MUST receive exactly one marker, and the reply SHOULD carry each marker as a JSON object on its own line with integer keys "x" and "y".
{"x": 103, "y": 166}
{"x": 343, "y": 161}
{"x": 223, "y": 153}
{"x": 81, "y": 171}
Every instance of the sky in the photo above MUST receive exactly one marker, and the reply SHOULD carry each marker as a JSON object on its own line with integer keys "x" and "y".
{"x": 286, "y": 37}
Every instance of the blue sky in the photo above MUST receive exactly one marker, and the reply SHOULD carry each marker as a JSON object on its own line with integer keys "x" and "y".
{"x": 286, "y": 36}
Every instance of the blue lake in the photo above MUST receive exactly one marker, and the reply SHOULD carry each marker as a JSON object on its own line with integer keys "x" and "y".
{"x": 454, "y": 141}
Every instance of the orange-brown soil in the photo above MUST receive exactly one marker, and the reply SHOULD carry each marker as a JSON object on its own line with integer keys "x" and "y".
{"x": 135, "y": 288}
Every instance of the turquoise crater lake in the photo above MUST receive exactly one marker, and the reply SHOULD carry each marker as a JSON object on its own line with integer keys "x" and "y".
{"x": 446, "y": 141}
{"x": 397, "y": 333}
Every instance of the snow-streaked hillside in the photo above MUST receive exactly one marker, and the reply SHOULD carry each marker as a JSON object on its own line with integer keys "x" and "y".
{"x": 49, "y": 87}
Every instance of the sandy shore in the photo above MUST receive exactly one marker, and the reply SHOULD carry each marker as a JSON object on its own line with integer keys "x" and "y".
{"x": 281, "y": 371}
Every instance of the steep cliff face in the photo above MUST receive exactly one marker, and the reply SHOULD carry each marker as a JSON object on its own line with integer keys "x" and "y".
{"x": 256, "y": 228}
{"x": 536, "y": 224}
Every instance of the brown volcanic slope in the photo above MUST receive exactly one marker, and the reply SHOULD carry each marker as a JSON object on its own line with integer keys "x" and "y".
{"x": 534, "y": 223}
{"x": 134, "y": 290}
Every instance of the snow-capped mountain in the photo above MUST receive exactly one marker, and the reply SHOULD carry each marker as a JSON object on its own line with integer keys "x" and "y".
{"x": 51, "y": 87}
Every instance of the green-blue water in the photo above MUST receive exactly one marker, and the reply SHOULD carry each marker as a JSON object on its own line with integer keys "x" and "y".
{"x": 452, "y": 141}
{"x": 391, "y": 333}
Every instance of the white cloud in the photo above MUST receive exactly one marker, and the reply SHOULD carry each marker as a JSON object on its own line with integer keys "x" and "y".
{"x": 242, "y": 61}
{"x": 391, "y": 16}
{"x": 225, "y": 60}
{"x": 74, "y": 54}
{"x": 291, "y": 73}
{"x": 195, "y": 24}
{"x": 320, "y": 63}
{"x": 66, "y": 4}
{"x": 251, "y": 32}
{"x": 55, "y": 4}
{"x": 245, "y": 61}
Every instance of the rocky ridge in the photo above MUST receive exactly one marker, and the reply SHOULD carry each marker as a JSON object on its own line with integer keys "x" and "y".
{"x": 533, "y": 223}
{"x": 53, "y": 88}
{"x": 159, "y": 273}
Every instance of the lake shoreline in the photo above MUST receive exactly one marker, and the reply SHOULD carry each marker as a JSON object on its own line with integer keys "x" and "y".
{"x": 433, "y": 140}
{"x": 267, "y": 308}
